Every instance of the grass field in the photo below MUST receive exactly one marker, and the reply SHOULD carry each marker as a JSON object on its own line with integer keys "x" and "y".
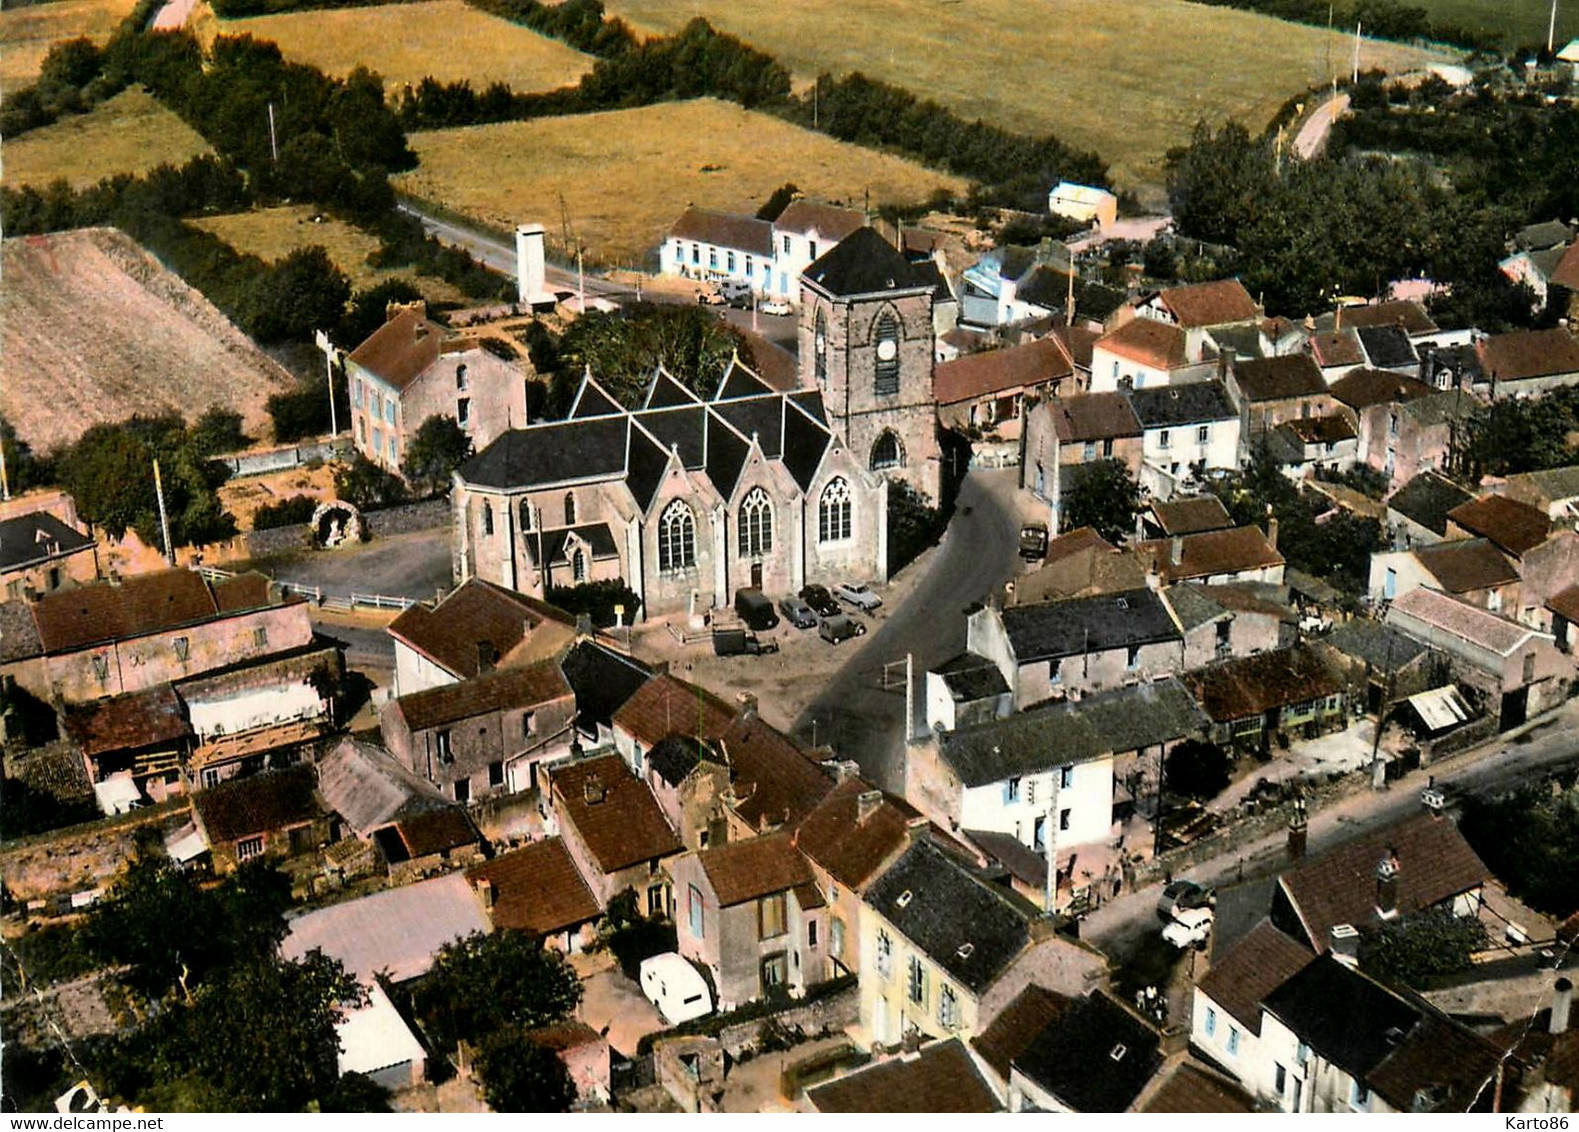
{"x": 26, "y": 34}
{"x": 130, "y": 133}
{"x": 1127, "y": 78}
{"x": 406, "y": 43}
{"x": 625, "y": 175}
{"x": 1518, "y": 21}
{"x": 273, "y": 233}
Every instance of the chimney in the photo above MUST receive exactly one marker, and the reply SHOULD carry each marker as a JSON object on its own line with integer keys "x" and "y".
{"x": 1271, "y": 532}
{"x": 1176, "y": 550}
{"x": 1562, "y": 1006}
{"x": 843, "y": 770}
{"x": 1387, "y": 885}
{"x": 1344, "y": 942}
{"x": 485, "y": 892}
{"x": 867, "y": 804}
{"x": 529, "y": 272}
{"x": 592, "y": 790}
{"x": 745, "y": 705}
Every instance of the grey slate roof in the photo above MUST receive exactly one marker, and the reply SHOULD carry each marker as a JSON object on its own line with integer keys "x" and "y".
{"x": 369, "y": 789}
{"x": 940, "y": 907}
{"x": 1126, "y": 719}
{"x": 1383, "y": 647}
{"x": 1194, "y": 403}
{"x": 1052, "y": 630}
{"x": 676, "y": 756}
{"x": 1094, "y": 1057}
{"x": 595, "y": 535}
{"x": 1342, "y": 1015}
{"x": 1387, "y": 347}
{"x": 36, "y": 537}
{"x": 971, "y": 677}
{"x": 1193, "y": 605}
{"x": 1427, "y": 499}
{"x": 863, "y": 263}
{"x": 19, "y": 637}
{"x": 602, "y": 680}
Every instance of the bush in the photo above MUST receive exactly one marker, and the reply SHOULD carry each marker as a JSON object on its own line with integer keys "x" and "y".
{"x": 1420, "y": 948}
{"x": 597, "y": 600}
{"x": 290, "y": 512}
{"x": 1196, "y": 769}
{"x": 367, "y": 486}
{"x": 913, "y": 524}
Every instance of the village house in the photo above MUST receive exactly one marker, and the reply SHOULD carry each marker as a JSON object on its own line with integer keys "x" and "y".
{"x": 1471, "y": 569}
{"x": 39, "y": 553}
{"x": 270, "y": 816}
{"x": 603, "y": 678}
{"x": 140, "y": 740}
{"x": 690, "y": 780}
{"x": 1370, "y": 399}
{"x": 1141, "y": 354}
{"x": 1186, "y": 1085}
{"x": 1417, "y": 512}
{"x": 538, "y": 890}
{"x": 1545, "y": 571}
{"x": 490, "y": 734}
{"x": 586, "y": 1056}
{"x": 940, "y": 1076}
{"x": 1546, "y": 1044}
{"x": 991, "y": 391}
{"x": 942, "y": 951}
{"x": 665, "y": 706}
{"x": 711, "y": 245}
{"x": 1517, "y": 668}
{"x": 1182, "y": 515}
{"x": 1250, "y": 700}
{"x": 1230, "y": 619}
{"x": 1303, "y": 447}
{"x": 750, "y": 913}
{"x": 1199, "y": 308}
{"x": 1097, "y": 1055}
{"x": 1382, "y": 665}
{"x": 1525, "y": 362}
{"x": 1388, "y": 349}
{"x": 1225, "y": 1010}
{"x": 805, "y": 232}
{"x": 1270, "y": 391}
{"x": 1336, "y": 353}
{"x": 1185, "y": 426}
{"x": 375, "y": 1041}
{"x": 1011, "y": 286}
{"x": 966, "y": 690}
{"x": 1078, "y": 646}
{"x": 1564, "y": 608}
{"x": 1430, "y": 432}
{"x": 473, "y": 630}
{"x": 412, "y": 368}
{"x": 773, "y": 784}
{"x": 1080, "y": 429}
{"x": 1513, "y": 527}
{"x": 1079, "y": 563}
{"x": 1238, "y": 554}
{"x": 1085, "y": 203}
{"x": 614, "y": 831}
{"x": 127, "y": 635}
{"x": 854, "y": 834}
{"x": 1553, "y": 490}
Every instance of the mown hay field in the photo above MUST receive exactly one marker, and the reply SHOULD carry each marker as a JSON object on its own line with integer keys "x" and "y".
{"x": 447, "y": 39}
{"x": 130, "y": 133}
{"x": 27, "y": 34}
{"x": 1126, "y": 78}
{"x": 273, "y": 233}
{"x": 625, "y": 175}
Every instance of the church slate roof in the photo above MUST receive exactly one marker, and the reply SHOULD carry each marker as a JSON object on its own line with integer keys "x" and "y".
{"x": 863, "y": 263}
{"x": 666, "y": 391}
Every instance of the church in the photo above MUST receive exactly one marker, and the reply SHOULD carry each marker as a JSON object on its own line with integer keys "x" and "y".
{"x": 690, "y": 499}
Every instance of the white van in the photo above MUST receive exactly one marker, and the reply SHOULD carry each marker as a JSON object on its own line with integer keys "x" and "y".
{"x": 675, "y": 988}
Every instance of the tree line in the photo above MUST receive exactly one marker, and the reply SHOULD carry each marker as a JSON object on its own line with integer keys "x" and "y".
{"x": 1380, "y": 19}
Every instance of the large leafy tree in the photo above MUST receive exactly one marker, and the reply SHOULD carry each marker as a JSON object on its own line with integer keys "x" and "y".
{"x": 1105, "y": 497}
{"x": 623, "y": 350}
{"x": 521, "y": 1077}
{"x": 1530, "y": 839}
{"x": 483, "y": 984}
{"x": 438, "y": 447}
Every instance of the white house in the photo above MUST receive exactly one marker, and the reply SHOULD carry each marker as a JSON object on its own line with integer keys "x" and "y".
{"x": 767, "y": 256}
{"x": 1143, "y": 353}
{"x": 803, "y": 232}
{"x": 1186, "y": 425}
{"x": 1084, "y": 203}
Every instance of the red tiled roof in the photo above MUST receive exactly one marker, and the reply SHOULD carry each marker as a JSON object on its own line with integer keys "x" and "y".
{"x": 479, "y": 613}
{"x": 437, "y": 831}
{"x": 1435, "y": 865}
{"x": 1017, "y": 1026}
{"x": 1192, "y": 1088}
{"x": 725, "y": 230}
{"x": 1515, "y": 527}
{"x": 259, "y": 803}
{"x": 1211, "y": 304}
{"x": 1075, "y": 541}
{"x": 1254, "y": 685}
{"x": 1566, "y": 273}
{"x": 941, "y": 1077}
{"x": 1462, "y": 566}
{"x": 1565, "y": 603}
{"x": 998, "y": 371}
{"x": 398, "y": 352}
{"x": 105, "y": 611}
{"x": 774, "y": 781}
{"x": 1280, "y": 378}
{"x": 614, "y": 813}
{"x": 849, "y": 847}
{"x": 1206, "y": 554}
{"x": 1253, "y": 968}
{"x": 1093, "y": 416}
{"x": 1478, "y": 627}
{"x": 1079, "y": 342}
{"x": 666, "y": 705}
{"x": 138, "y": 719}
{"x": 1337, "y": 348}
{"x": 1320, "y": 430}
{"x": 1362, "y": 388}
{"x": 1147, "y": 341}
{"x": 1438, "y": 1053}
{"x": 1191, "y": 516}
{"x": 828, "y": 221}
{"x": 535, "y": 684}
{"x": 1405, "y": 313}
{"x": 756, "y": 867}
{"x": 244, "y": 591}
{"x": 536, "y": 889}
{"x": 1528, "y": 353}
{"x": 565, "y": 1036}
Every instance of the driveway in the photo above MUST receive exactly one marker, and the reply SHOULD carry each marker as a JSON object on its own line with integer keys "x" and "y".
{"x": 610, "y": 1002}
{"x": 415, "y": 566}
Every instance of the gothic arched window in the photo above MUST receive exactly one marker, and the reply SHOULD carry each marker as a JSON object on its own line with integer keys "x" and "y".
{"x": 570, "y": 508}
{"x": 887, "y": 453}
{"x": 833, "y": 512}
{"x": 819, "y": 348}
{"x": 756, "y": 524}
{"x": 886, "y": 381}
{"x": 578, "y": 567}
{"x": 487, "y": 519}
{"x": 676, "y": 538}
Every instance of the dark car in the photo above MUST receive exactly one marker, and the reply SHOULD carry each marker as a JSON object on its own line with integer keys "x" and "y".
{"x": 1184, "y": 895}
{"x": 821, "y": 601}
{"x": 740, "y": 642}
{"x": 797, "y": 612}
{"x": 755, "y": 609}
{"x": 1033, "y": 541}
{"x": 839, "y": 627}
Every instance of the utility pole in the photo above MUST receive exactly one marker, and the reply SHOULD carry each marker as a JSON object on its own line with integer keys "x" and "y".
{"x": 1050, "y": 841}
{"x": 910, "y": 697}
{"x": 581, "y": 284}
{"x": 1551, "y": 30}
{"x": 1356, "y": 78}
{"x": 321, "y": 337}
{"x": 164, "y": 518}
{"x": 274, "y": 145}
{"x": 5, "y": 480}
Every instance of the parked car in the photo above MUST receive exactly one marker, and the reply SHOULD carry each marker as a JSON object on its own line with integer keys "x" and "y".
{"x": 735, "y": 292}
{"x": 1033, "y": 541}
{"x": 741, "y": 642}
{"x": 839, "y": 627}
{"x": 775, "y": 306}
{"x": 675, "y": 987}
{"x": 1192, "y": 927}
{"x": 711, "y": 298}
{"x": 858, "y": 595}
{"x": 821, "y": 601}
{"x": 1184, "y": 896}
{"x": 755, "y": 609}
{"x": 797, "y": 612}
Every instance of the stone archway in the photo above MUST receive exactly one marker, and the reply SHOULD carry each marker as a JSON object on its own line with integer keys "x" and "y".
{"x": 336, "y": 523}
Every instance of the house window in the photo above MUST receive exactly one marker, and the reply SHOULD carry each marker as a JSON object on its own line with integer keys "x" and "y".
{"x": 260, "y": 637}
{"x": 756, "y": 525}
{"x": 528, "y": 724}
{"x": 812, "y": 245}
{"x": 916, "y": 984}
{"x": 1090, "y": 452}
{"x": 819, "y": 348}
{"x": 887, "y": 453}
{"x": 441, "y": 743}
{"x": 356, "y": 394}
{"x": 1011, "y": 789}
{"x": 182, "y": 646}
{"x": 750, "y": 266}
{"x": 1301, "y": 1054}
{"x": 885, "y": 954}
{"x": 1359, "y": 1095}
{"x": 496, "y": 774}
{"x": 1529, "y": 668}
{"x": 696, "y": 254}
{"x": 1066, "y": 777}
{"x": 248, "y": 848}
{"x": 1390, "y": 584}
{"x": 836, "y": 937}
{"x": 1233, "y": 1041}
{"x": 786, "y": 245}
{"x": 1063, "y": 819}
{"x": 460, "y": 378}
{"x": 1392, "y": 424}
{"x": 1280, "y": 1079}
{"x": 833, "y": 512}
{"x": 526, "y": 514}
{"x": 712, "y": 258}
{"x": 655, "y": 902}
{"x": 463, "y": 411}
{"x": 1132, "y": 658}
{"x": 1162, "y": 438}
{"x": 578, "y": 567}
{"x": 487, "y": 519}
{"x": 463, "y": 790}
{"x": 676, "y": 538}
{"x": 389, "y": 411}
{"x": 729, "y": 260}
{"x": 772, "y": 916}
{"x": 948, "y": 1008}
{"x": 773, "y": 971}
{"x": 693, "y": 904}
{"x": 811, "y": 933}
{"x": 210, "y": 778}
{"x": 1211, "y": 1022}
{"x": 1107, "y": 450}
{"x": 1203, "y": 434}
{"x": 570, "y": 508}
{"x": 886, "y": 370}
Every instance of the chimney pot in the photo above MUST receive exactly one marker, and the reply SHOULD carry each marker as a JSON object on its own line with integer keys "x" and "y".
{"x": 745, "y": 705}
{"x": 1271, "y": 533}
{"x": 1176, "y": 550}
{"x": 592, "y": 790}
{"x": 1562, "y": 1005}
{"x": 867, "y": 804}
{"x": 486, "y": 893}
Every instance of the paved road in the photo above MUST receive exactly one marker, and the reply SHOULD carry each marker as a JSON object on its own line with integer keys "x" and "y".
{"x": 1498, "y": 765}
{"x": 854, "y": 713}
{"x": 413, "y": 565}
{"x": 1313, "y": 134}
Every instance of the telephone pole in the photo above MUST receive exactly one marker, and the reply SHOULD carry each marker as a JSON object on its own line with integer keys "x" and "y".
{"x": 164, "y": 517}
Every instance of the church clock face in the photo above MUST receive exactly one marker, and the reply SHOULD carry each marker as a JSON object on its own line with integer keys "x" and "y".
{"x": 887, "y": 350}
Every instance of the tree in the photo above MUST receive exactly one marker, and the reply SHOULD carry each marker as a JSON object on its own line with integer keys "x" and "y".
{"x": 519, "y": 1076}
{"x": 365, "y": 485}
{"x": 1105, "y": 497}
{"x": 439, "y": 446}
{"x": 913, "y": 524}
{"x": 290, "y": 512}
{"x": 625, "y": 348}
{"x": 301, "y": 293}
{"x": 485, "y": 983}
{"x": 370, "y": 309}
{"x": 218, "y": 430}
{"x": 1530, "y": 839}
{"x": 1197, "y": 769}
{"x": 23, "y": 468}
{"x": 1418, "y": 948}
{"x": 597, "y": 600}
{"x": 355, "y": 1092}
{"x": 109, "y": 474}
{"x": 778, "y": 201}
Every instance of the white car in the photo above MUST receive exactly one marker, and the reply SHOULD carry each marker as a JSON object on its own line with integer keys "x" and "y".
{"x": 675, "y": 988}
{"x": 1190, "y": 927}
{"x": 858, "y": 595}
{"x": 775, "y": 306}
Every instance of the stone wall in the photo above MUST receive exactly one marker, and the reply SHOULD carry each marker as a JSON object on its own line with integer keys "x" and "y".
{"x": 80, "y": 858}
{"x": 408, "y": 518}
{"x": 831, "y": 1012}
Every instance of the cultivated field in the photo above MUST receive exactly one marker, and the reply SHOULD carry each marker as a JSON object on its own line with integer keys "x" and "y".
{"x": 1127, "y": 78}
{"x": 273, "y": 233}
{"x": 26, "y": 34}
{"x": 130, "y": 133}
{"x": 93, "y": 329}
{"x": 625, "y": 175}
{"x": 447, "y": 39}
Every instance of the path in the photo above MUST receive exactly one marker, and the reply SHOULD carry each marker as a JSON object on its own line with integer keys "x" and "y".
{"x": 1312, "y": 135}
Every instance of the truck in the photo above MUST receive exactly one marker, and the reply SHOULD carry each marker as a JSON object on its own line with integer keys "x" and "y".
{"x": 740, "y": 642}
{"x": 1033, "y": 541}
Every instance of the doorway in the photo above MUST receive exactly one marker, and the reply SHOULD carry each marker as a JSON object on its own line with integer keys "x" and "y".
{"x": 756, "y": 575}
